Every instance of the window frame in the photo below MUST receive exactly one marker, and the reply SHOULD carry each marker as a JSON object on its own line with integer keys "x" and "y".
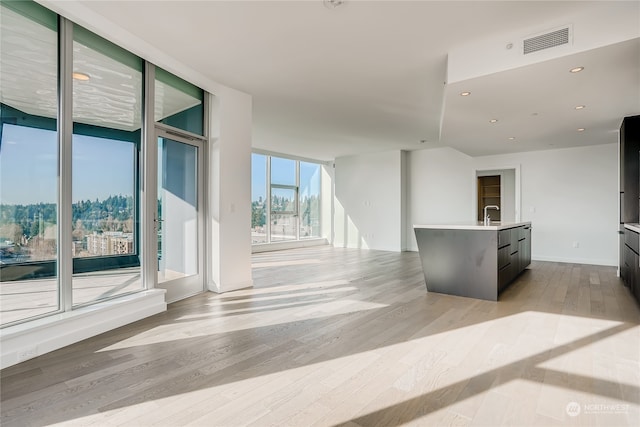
{"x": 295, "y": 187}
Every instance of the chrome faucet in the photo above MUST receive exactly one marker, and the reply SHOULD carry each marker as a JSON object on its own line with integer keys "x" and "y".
{"x": 487, "y": 218}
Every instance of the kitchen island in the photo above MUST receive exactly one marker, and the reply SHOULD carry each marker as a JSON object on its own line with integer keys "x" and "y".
{"x": 471, "y": 260}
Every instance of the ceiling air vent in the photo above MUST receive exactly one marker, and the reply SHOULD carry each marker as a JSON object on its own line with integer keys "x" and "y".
{"x": 545, "y": 41}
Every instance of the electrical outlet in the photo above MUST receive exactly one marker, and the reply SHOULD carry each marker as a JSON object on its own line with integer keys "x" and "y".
{"x": 576, "y": 245}
{"x": 27, "y": 353}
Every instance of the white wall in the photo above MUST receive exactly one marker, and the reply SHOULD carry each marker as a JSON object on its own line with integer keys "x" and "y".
{"x": 439, "y": 189}
{"x": 368, "y": 201}
{"x": 403, "y": 199}
{"x": 229, "y": 216}
{"x": 569, "y": 195}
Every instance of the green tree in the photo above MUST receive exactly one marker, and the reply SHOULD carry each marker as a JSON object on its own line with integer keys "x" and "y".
{"x": 258, "y": 215}
{"x": 35, "y": 228}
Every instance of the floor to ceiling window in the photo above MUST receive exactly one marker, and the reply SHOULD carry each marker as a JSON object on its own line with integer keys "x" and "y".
{"x": 72, "y": 165}
{"x": 28, "y": 162}
{"x": 107, "y": 114}
{"x": 285, "y": 199}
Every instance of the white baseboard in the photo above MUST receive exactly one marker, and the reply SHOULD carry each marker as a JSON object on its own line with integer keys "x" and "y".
{"x": 31, "y": 339}
{"x": 604, "y": 262}
{"x": 215, "y": 287}
{"x": 278, "y": 246}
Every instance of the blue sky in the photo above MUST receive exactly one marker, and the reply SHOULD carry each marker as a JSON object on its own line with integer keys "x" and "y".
{"x": 28, "y": 166}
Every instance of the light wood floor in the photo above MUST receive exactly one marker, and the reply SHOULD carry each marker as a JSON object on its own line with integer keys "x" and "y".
{"x": 351, "y": 337}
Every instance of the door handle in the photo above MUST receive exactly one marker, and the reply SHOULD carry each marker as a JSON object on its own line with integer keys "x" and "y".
{"x": 155, "y": 223}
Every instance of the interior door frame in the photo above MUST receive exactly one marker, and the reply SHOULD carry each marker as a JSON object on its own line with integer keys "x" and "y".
{"x": 195, "y": 283}
{"x": 518, "y": 203}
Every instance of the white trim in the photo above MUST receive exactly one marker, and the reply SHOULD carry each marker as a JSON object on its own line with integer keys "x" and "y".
{"x": 215, "y": 287}
{"x": 31, "y": 339}
{"x": 589, "y": 261}
{"x": 64, "y": 257}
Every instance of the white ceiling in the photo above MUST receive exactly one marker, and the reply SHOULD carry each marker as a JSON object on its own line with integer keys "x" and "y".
{"x": 372, "y": 75}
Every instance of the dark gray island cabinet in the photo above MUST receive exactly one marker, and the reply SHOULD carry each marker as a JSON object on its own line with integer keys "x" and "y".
{"x": 475, "y": 261}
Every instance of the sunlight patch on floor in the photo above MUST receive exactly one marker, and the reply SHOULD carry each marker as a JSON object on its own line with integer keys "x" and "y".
{"x": 283, "y": 288}
{"x": 285, "y": 263}
{"x": 291, "y": 294}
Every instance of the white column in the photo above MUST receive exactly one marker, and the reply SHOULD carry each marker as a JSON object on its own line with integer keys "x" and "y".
{"x": 229, "y": 184}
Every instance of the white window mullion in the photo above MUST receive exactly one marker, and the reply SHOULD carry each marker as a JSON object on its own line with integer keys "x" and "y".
{"x": 149, "y": 185}
{"x": 297, "y": 201}
{"x": 268, "y": 201}
{"x": 65, "y": 160}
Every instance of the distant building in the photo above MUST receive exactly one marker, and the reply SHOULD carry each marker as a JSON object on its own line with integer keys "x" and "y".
{"x": 110, "y": 243}
{"x": 77, "y": 247}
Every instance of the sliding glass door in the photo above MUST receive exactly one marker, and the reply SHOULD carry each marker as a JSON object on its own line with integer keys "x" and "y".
{"x": 179, "y": 217}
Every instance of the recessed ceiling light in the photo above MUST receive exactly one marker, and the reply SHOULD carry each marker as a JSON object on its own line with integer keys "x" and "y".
{"x": 580, "y": 107}
{"x": 493, "y": 121}
{"x": 422, "y": 141}
{"x": 511, "y": 138}
{"x": 80, "y": 76}
{"x": 465, "y": 93}
{"x": 576, "y": 70}
{"x": 580, "y": 129}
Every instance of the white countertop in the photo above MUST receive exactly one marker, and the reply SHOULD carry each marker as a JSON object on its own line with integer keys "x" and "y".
{"x": 475, "y": 226}
{"x": 632, "y": 227}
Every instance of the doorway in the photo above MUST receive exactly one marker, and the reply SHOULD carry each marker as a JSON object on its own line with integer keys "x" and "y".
{"x": 500, "y": 187}
{"x": 179, "y": 218}
{"x": 489, "y": 195}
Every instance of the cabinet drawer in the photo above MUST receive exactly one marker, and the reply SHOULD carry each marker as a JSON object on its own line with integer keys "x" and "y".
{"x": 504, "y": 238}
{"x": 632, "y": 239}
{"x": 523, "y": 232}
{"x": 515, "y": 236}
{"x": 504, "y": 277}
{"x": 504, "y": 256}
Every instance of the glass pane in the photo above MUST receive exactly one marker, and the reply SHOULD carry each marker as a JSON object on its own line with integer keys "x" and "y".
{"x": 284, "y": 221}
{"x": 177, "y": 210}
{"x": 310, "y": 178}
{"x": 283, "y": 171}
{"x": 28, "y": 162}
{"x": 258, "y": 198}
{"x": 178, "y": 103}
{"x": 283, "y": 227}
{"x": 107, "y": 111}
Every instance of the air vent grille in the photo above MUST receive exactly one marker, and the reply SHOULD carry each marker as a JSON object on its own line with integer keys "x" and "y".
{"x": 546, "y": 41}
